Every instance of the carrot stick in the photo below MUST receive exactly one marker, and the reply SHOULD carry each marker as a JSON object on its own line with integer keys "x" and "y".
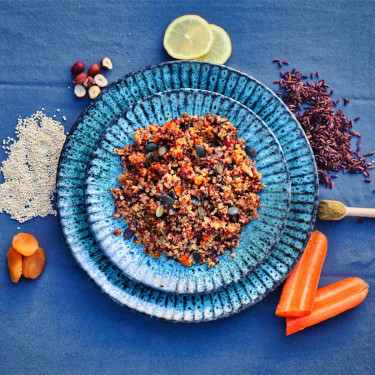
{"x": 331, "y": 301}
{"x": 300, "y": 287}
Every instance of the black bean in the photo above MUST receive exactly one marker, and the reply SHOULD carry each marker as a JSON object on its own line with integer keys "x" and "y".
{"x": 217, "y": 142}
{"x": 200, "y": 151}
{"x": 149, "y": 160}
{"x": 128, "y": 234}
{"x": 196, "y": 256}
{"x": 162, "y": 151}
{"x": 185, "y": 126}
{"x": 233, "y": 211}
{"x": 251, "y": 152}
{"x": 151, "y": 147}
{"x": 172, "y": 194}
{"x": 166, "y": 199}
{"x": 198, "y": 238}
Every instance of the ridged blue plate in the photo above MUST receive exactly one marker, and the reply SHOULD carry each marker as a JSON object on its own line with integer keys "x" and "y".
{"x": 259, "y": 237}
{"x": 114, "y": 100}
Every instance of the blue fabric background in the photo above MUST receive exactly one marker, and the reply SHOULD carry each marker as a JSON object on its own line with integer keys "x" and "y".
{"x": 61, "y": 323}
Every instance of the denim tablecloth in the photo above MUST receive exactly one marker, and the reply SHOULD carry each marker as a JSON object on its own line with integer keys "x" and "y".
{"x": 61, "y": 323}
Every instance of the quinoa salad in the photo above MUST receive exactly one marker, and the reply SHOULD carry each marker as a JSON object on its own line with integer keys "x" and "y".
{"x": 188, "y": 188}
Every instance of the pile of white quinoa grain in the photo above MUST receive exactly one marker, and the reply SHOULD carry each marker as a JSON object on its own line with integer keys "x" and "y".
{"x": 30, "y": 169}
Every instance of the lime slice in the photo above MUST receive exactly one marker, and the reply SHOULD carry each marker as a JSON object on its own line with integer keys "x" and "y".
{"x": 221, "y": 48}
{"x": 188, "y": 37}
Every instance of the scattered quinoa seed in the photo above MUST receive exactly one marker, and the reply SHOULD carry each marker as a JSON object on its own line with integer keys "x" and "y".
{"x": 30, "y": 169}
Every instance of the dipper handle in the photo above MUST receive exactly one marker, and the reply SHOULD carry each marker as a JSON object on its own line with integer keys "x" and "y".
{"x": 357, "y": 211}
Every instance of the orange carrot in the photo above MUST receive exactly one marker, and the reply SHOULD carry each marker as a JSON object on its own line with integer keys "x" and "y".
{"x": 198, "y": 180}
{"x": 300, "y": 287}
{"x": 237, "y": 156}
{"x": 177, "y": 189}
{"x": 331, "y": 301}
{"x": 185, "y": 260}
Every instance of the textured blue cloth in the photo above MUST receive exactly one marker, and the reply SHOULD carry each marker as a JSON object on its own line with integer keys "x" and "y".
{"x": 61, "y": 323}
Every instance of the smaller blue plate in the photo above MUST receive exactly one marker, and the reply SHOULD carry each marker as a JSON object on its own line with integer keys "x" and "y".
{"x": 259, "y": 237}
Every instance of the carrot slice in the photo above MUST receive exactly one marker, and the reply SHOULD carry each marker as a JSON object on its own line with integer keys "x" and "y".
{"x": 177, "y": 190}
{"x": 185, "y": 260}
{"x": 14, "y": 264}
{"x": 300, "y": 287}
{"x": 26, "y": 244}
{"x": 330, "y": 301}
{"x": 156, "y": 254}
{"x": 33, "y": 266}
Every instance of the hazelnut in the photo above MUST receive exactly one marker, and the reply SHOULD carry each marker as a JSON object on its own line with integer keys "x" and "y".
{"x": 89, "y": 82}
{"x": 79, "y": 91}
{"x": 94, "y": 91}
{"x": 107, "y": 63}
{"x": 100, "y": 80}
{"x": 78, "y": 67}
{"x": 94, "y": 70}
{"x": 80, "y": 78}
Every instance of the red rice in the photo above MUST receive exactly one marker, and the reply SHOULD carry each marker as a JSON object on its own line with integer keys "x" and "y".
{"x": 328, "y": 130}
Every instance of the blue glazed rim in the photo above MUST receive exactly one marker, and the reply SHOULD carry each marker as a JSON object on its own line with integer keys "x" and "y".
{"x": 224, "y": 276}
{"x": 114, "y": 296}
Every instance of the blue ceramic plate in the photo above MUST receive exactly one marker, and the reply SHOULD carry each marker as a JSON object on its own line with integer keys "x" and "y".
{"x": 86, "y": 132}
{"x": 259, "y": 237}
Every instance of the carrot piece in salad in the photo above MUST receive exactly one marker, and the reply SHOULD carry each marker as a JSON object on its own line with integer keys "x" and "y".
{"x": 177, "y": 189}
{"x": 330, "y": 301}
{"x": 237, "y": 156}
{"x": 300, "y": 287}
{"x": 199, "y": 180}
{"x": 185, "y": 260}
